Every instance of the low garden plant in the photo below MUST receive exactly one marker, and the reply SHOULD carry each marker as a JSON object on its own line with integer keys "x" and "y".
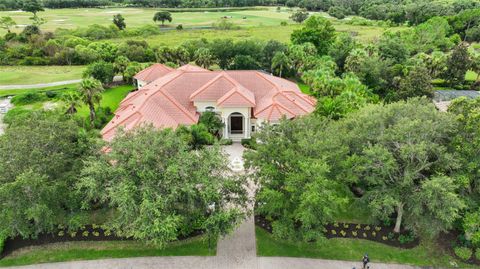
{"x": 463, "y": 253}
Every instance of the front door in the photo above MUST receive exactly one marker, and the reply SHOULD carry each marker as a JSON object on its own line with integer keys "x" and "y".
{"x": 236, "y": 123}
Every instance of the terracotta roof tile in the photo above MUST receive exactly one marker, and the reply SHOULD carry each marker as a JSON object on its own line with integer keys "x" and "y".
{"x": 153, "y": 72}
{"x": 168, "y": 100}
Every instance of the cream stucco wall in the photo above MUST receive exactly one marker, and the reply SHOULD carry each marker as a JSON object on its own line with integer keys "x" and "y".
{"x": 201, "y": 106}
{"x": 141, "y": 84}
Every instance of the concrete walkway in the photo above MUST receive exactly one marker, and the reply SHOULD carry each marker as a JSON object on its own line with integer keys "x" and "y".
{"x": 45, "y": 85}
{"x": 235, "y": 251}
{"x": 194, "y": 262}
{"x": 41, "y": 85}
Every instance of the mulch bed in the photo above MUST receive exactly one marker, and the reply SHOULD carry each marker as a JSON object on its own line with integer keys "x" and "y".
{"x": 88, "y": 233}
{"x": 448, "y": 241}
{"x": 377, "y": 233}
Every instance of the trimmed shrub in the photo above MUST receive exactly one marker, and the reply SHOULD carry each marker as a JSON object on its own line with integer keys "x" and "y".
{"x": 51, "y": 94}
{"x": 225, "y": 141}
{"x": 406, "y": 238}
{"x": 28, "y": 98}
{"x": 16, "y": 114}
{"x": 463, "y": 253}
{"x": 249, "y": 143}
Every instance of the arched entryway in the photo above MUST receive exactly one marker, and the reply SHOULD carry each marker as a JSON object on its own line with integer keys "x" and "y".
{"x": 236, "y": 122}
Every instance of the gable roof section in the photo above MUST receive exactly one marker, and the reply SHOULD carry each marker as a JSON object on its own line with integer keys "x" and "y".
{"x": 274, "y": 112}
{"x": 191, "y": 68}
{"x": 237, "y": 97}
{"x": 153, "y": 72}
{"x": 214, "y": 89}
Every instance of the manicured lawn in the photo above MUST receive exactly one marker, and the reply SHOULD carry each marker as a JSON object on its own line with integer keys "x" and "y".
{"x": 109, "y": 249}
{"x": 110, "y": 98}
{"x": 304, "y": 87}
{"x": 266, "y": 32}
{"x": 55, "y": 88}
{"x": 352, "y": 250}
{"x": 260, "y": 24}
{"x": 21, "y": 75}
{"x": 135, "y": 17}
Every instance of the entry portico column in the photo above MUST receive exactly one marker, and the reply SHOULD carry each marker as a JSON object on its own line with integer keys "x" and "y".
{"x": 225, "y": 128}
{"x": 246, "y": 126}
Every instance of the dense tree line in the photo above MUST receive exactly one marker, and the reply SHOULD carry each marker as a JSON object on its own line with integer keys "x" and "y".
{"x": 415, "y": 12}
{"x": 411, "y": 165}
{"x": 18, "y": 4}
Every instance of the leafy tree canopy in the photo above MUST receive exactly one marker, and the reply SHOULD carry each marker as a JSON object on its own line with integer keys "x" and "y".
{"x": 161, "y": 189}
{"x": 399, "y": 155}
{"x": 318, "y": 31}
{"x": 293, "y": 168}
{"x": 162, "y": 16}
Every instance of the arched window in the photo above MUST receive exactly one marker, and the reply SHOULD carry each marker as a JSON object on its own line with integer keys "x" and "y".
{"x": 210, "y": 108}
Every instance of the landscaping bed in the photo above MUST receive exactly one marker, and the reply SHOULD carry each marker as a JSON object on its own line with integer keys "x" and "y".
{"x": 449, "y": 241}
{"x": 378, "y": 233}
{"x": 86, "y": 233}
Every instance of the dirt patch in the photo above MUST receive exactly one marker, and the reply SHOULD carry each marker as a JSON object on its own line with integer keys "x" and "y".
{"x": 377, "y": 233}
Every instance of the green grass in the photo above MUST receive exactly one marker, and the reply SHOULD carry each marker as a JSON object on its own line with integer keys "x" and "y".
{"x": 71, "y": 251}
{"x": 135, "y": 17}
{"x": 110, "y": 98}
{"x": 304, "y": 88}
{"x": 352, "y": 250}
{"x": 22, "y": 75}
{"x": 262, "y": 24}
{"x": 276, "y": 32}
{"x": 69, "y": 87}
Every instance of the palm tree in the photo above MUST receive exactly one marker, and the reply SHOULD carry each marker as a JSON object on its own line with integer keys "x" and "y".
{"x": 91, "y": 93}
{"x": 204, "y": 57}
{"x": 72, "y": 101}
{"x": 280, "y": 62}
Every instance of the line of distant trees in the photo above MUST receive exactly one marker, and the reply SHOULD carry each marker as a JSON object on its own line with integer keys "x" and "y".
{"x": 395, "y": 11}
{"x": 16, "y": 4}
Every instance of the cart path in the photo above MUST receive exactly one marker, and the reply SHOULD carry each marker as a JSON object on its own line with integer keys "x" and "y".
{"x": 40, "y": 85}
{"x": 50, "y": 84}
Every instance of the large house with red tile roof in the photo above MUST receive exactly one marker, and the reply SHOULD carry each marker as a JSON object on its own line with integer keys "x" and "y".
{"x": 244, "y": 100}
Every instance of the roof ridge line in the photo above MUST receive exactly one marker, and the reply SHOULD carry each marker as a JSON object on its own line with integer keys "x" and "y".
{"x": 230, "y": 93}
{"x": 282, "y": 106}
{"x": 104, "y": 130}
{"x": 275, "y": 86}
{"x": 175, "y": 102}
{"x": 209, "y": 83}
{"x": 293, "y": 101}
{"x": 159, "y": 89}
